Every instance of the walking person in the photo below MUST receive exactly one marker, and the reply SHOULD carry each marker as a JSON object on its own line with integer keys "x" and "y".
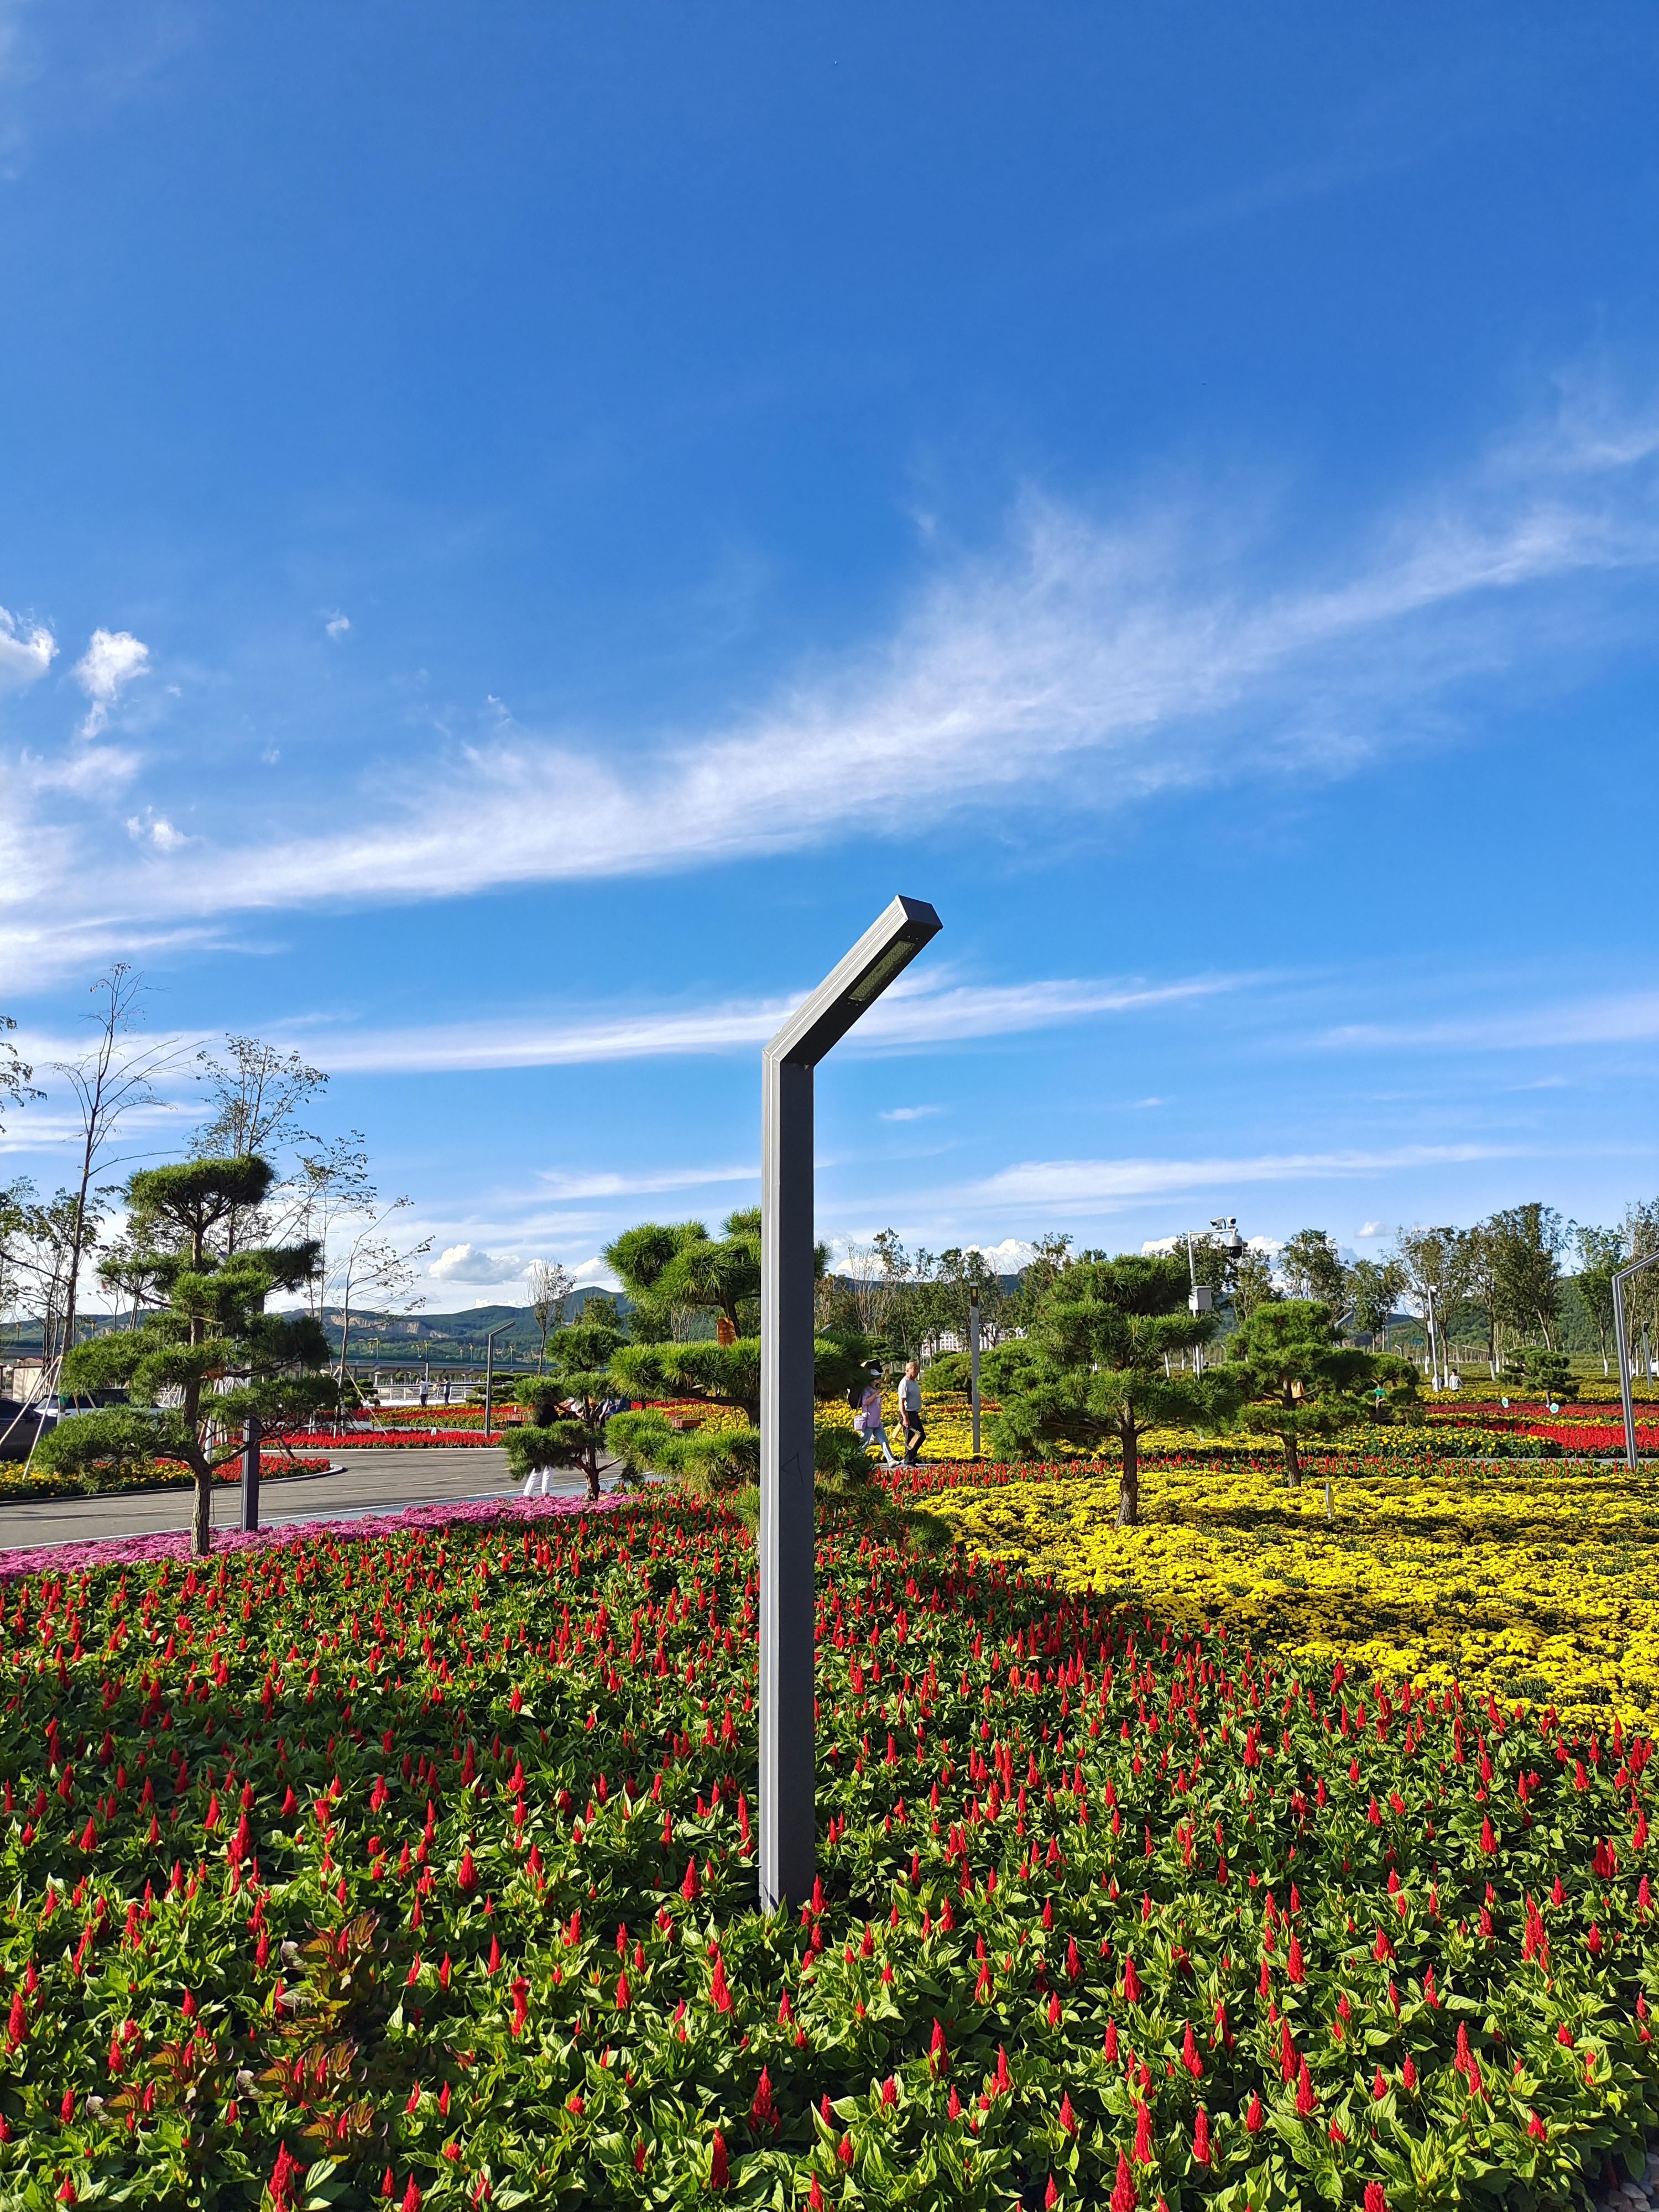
{"x": 871, "y": 1423}
{"x": 910, "y": 1396}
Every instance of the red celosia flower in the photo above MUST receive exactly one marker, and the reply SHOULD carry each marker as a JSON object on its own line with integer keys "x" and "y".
{"x": 1124, "y": 2195}
{"x": 1201, "y": 2138}
{"x": 763, "y": 2112}
{"x": 1306, "y": 2102}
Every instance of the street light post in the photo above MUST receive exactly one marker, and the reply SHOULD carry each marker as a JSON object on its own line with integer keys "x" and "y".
{"x": 973, "y": 1368}
{"x": 1200, "y": 1298}
{"x": 490, "y": 1334}
{"x": 788, "y": 1515}
{"x": 1621, "y": 1335}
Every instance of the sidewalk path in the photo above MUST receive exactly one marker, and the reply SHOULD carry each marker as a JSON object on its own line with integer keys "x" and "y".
{"x": 371, "y": 1482}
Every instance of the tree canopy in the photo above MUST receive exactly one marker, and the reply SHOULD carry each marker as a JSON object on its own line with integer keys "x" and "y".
{"x": 567, "y": 1402}
{"x": 1296, "y": 1380}
{"x": 206, "y": 1356}
{"x": 1095, "y": 1366}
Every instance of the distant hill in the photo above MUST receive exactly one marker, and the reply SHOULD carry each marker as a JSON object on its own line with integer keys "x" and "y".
{"x": 384, "y": 1339}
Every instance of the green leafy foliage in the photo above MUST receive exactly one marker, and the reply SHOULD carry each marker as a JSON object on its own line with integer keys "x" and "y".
{"x": 1297, "y": 1381}
{"x": 206, "y": 1350}
{"x": 568, "y": 1402}
{"x": 430, "y": 1851}
{"x": 1094, "y": 1371}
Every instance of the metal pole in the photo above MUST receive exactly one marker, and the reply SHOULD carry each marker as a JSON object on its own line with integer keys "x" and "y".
{"x": 788, "y": 1532}
{"x": 788, "y": 1507}
{"x": 1621, "y": 1336}
{"x": 973, "y": 1367}
{"x": 250, "y": 1473}
{"x": 490, "y": 1334}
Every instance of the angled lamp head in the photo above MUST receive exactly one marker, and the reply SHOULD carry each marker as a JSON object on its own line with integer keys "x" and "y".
{"x": 882, "y": 953}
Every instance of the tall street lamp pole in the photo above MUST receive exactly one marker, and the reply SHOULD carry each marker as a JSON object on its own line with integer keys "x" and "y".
{"x": 490, "y": 1334}
{"x": 973, "y": 1369}
{"x": 1621, "y": 1335}
{"x": 788, "y": 1517}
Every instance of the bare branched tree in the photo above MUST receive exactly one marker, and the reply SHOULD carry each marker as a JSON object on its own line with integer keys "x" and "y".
{"x": 116, "y": 1078}
{"x": 340, "y": 1210}
{"x": 550, "y": 1285}
{"x": 16, "y": 1088}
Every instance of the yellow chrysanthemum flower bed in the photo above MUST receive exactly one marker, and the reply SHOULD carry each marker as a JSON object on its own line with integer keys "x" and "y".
{"x": 1536, "y": 1582}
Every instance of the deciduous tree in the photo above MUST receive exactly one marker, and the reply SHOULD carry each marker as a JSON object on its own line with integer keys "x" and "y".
{"x": 1313, "y": 1268}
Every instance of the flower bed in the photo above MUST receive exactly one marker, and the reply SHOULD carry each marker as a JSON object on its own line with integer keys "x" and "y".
{"x": 17, "y": 1481}
{"x": 1533, "y": 1583}
{"x": 1591, "y": 1389}
{"x": 416, "y": 1866}
{"x": 397, "y": 1439}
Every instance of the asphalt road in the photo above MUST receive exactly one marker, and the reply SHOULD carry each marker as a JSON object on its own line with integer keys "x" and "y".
{"x": 370, "y": 1481}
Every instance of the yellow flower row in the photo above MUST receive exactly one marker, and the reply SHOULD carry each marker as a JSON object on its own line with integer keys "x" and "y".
{"x": 1537, "y": 1584}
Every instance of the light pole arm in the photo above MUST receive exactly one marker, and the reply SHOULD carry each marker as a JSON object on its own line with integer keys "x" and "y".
{"x": 1621, "y": 1276}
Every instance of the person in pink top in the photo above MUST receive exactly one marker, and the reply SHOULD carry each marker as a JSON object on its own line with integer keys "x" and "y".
{"x": 870, "y": 1424}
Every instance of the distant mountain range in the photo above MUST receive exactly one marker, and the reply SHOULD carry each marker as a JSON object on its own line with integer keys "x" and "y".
{"x": 411, "y": 1340}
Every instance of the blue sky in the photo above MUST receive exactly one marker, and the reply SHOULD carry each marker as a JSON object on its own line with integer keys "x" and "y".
{"x": 521, "y": 529}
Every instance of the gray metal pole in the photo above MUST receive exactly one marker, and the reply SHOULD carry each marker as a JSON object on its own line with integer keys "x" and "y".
{"x": 251, "y": 1437}
{"x": 1621, "y": 1337}
{"x": 490, "y": 1334}
{"x": 788, "y": 1515}
{"x": 973, "y": 1368}
{"x": 789, "y": 1528}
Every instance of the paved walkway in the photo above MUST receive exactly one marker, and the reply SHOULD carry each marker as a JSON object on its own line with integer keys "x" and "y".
{"x": 369, "y": 1482}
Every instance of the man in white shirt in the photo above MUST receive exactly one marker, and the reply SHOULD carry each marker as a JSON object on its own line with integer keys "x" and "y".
{"x": 909, "y": 1398}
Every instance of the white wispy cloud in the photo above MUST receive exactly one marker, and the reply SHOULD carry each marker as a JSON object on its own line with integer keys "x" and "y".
{"x": 85, "y": 772}
{"x": 909, "y": 1112}
{"x": 553, "y": 1184}
{"x": 109, "y": 664}
{"x": 1173, "y": 648}
{"x": 25, "y": 648}
{"x": 1620, "y": 1017}
{"x": 1103, "y": 1185}
{"x": 913, "y": 1013}
{"x": 153, "y": 829}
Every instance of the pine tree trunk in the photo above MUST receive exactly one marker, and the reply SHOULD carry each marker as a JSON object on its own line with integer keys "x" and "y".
{"x": 201, "y": 1525}
{"x": 1129, "y": 1484}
